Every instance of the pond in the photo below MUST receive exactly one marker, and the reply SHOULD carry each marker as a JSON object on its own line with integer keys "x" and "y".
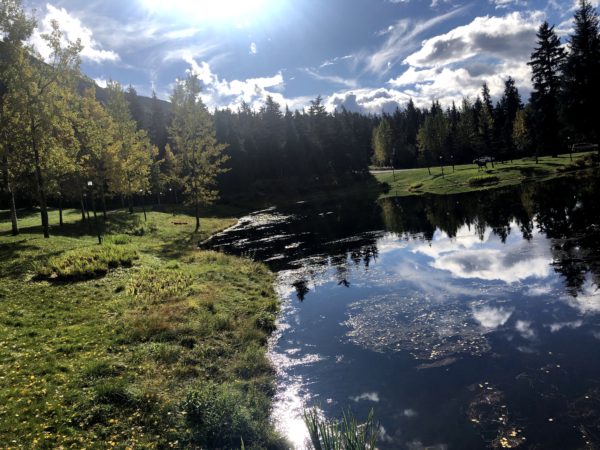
{"x": 466, "y": 321}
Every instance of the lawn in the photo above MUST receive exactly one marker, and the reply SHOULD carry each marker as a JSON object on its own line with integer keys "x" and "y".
{"x": 146, "y": 342}
{"x": 466, "y": 178}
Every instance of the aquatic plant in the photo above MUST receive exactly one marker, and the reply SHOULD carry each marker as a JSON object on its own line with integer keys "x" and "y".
{"x": 346, "y": 434}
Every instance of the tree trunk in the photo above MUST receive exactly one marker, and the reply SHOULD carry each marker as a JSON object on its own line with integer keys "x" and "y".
{"x": 13, "y": 213}
{"x": 197, "y": 218}
{"x": 158, "y": 199}
{"x": 11, "y": 197}
{"x": 82, "y": 207}
{"x": 39, "y": 178}
{"x": 60, "y": 211}
{"x": 103, "y": 200}
{"x": 122, "y": 201}
{"x": 130, "y": 200}
{"x": 429, "y": 170}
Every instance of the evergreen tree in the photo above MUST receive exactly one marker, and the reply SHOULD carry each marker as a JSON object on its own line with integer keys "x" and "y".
{"x": 507, "y": 109}
{"x": 582, "y": 74}
{"x": 546, "y": 62}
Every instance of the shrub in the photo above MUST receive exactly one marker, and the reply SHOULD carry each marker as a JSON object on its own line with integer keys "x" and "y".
{"x": 483, "y": 180}
{"x": 265, "y": 321}
{"x": 87, "y": 262}
{"x": 219, "y": 417}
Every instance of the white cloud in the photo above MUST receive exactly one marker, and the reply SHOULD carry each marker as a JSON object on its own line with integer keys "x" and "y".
{"x": 72, "y": 29}
{"x": 369, "y": 396}
{"x": 588, "y": 300}
{"x": 509, "y": 38}
{"x": 102, "y": 82}
{"x": 554, "y": 327}
{"x": 348, "y": 82}
{"x": 524, "y": 329}
{"x": 253, "y": 49}
{"x": 218, "y": 92}
{"x": 491, "y": 318}
{"x": 455, "y": 64}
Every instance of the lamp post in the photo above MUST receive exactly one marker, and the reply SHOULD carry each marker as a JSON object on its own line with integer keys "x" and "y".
{"x": 91, "y": 189}
{"x": 452, "y": 161}
{"x": 441, "y": 164}
{"x": 570, "y": 147}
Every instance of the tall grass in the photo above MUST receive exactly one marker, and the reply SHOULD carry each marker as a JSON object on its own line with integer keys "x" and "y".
{"x": 346, "y": 434}
{"x": 86, "y": 262}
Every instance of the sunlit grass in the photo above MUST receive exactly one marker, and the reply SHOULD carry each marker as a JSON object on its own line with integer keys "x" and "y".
{"x": 466, "y": 178}
{"x": 113, "y": 360}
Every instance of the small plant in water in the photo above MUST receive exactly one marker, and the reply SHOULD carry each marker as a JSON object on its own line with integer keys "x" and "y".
{"x": 346, "y": 434}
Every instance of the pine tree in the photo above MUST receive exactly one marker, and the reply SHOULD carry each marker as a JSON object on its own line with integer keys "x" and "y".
{"x": 546, "y": 62}
{"x": 581, "y": 74}
{"x": 507, "y": 109}
{"x": 193, "y": 135}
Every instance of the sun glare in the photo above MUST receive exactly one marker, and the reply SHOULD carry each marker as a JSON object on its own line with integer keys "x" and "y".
{"x": 209, "y": 10}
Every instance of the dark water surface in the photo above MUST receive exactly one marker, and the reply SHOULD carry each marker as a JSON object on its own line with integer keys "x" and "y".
{"x": 467, "y": 321}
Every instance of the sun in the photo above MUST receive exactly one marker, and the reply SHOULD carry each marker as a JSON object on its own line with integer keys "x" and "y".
{"x": 208, "y": 10}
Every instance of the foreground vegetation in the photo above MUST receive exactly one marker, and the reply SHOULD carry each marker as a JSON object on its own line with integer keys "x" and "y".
{"x": 144, "y": 342}
{"x": 468, "y": 178}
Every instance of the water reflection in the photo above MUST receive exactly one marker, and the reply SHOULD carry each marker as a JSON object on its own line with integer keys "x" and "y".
{"x": 466, "y": 321}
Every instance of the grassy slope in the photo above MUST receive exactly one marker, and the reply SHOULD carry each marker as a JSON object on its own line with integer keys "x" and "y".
{"x": 418, "y": 181}
{"x": 166, "y": 354}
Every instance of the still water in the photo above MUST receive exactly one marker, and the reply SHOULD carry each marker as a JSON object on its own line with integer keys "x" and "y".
{"x": 468, "y": 321}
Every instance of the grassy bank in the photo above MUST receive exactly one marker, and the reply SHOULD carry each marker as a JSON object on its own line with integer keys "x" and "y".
{"x": 467, "y": 178}
{"x": 147, "y": 343}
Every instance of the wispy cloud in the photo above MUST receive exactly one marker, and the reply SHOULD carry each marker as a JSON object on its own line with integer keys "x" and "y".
{"x": 403, "y": 39}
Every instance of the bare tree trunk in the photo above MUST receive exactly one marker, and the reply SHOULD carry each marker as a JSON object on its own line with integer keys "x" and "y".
{"x": 158, "y": 199}
{"x": 82, "y": 203}
{"x": 60, "y": 210}
{"x": 11, "y": 197}
{"x": 103, "y": 200}
{"x": 197, "y": 218}
{"x": 39, "y": 177}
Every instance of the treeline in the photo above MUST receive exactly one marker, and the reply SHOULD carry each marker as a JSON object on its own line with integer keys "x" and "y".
{"x": 561, "y": 110}
{"x": 58, "y": 143}
{"x": 269, "y": 148}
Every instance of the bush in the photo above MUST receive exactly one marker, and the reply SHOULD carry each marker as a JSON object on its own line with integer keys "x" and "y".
{"x": 87, "y": 262}
{"x": 483, "y": 180}
{"x": 219, "y": 417}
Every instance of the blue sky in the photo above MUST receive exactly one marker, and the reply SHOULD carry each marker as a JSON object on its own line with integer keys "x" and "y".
{"x": 368, "y": 55}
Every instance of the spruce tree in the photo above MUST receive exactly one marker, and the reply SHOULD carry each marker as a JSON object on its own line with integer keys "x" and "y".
{"x": 582, "y": 74}
{"x": 546, "y": 62}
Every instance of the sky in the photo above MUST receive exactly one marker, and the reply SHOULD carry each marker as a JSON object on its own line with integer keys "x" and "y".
{"x": 366, "y": 55}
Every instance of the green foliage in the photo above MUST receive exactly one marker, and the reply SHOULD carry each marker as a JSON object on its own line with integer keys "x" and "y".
{"x": 382, "y": 143}
{"x": 86, "y": 262}
{"x": 346, "y": 434}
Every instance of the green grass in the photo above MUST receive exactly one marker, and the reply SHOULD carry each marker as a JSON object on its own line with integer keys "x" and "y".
{"x": 166, "y": 353}
{"x": 467, "y": 178}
